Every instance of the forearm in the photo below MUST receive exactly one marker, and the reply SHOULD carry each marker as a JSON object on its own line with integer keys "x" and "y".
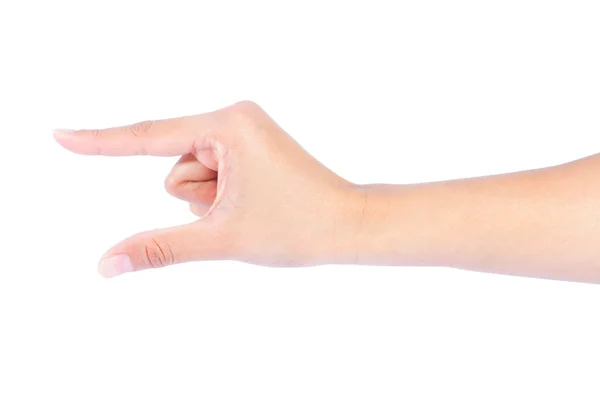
{"x": 543, "y": 223}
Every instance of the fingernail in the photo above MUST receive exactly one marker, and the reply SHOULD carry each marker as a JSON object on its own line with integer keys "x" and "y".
{"x": 115, "y": 265}
{"x": 63, "y": 132}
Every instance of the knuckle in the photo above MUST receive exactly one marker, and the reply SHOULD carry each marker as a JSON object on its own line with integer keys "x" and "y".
{"x": 247, "y": 105}
{"x": 197, "y": 210}
{"x": 171, "y": 185}
{"x": 245, "y": 119}
{"x": 246, "y": 109}
{"x": 141, "y": 128}
{"x": 157, "y": 255}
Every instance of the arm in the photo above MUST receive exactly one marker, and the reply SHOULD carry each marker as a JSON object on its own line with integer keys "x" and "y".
{"x": 541, "y": 223}
{"x": 262, "y": 199}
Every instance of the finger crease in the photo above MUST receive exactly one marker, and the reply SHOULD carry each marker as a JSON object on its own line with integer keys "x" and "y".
{"x": 163, "y": 260}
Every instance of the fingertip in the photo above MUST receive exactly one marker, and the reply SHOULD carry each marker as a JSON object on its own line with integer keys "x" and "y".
{"x": 115, "y": 265}
{"x": 62, "y": 133}
{"x": 77, "y": 141}
{"x": 64, "y": 137}
{"x": 197, "y": 210}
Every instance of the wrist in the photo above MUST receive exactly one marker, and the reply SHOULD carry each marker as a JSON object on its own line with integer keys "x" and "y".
{"x": 421, "y": 224}
{"x": 349, "y": 242}
{"x": 385, "y": 225}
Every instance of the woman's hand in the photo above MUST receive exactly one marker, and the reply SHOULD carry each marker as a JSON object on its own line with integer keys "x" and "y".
{"x": 264, "y": 200}
{"x": 260, "y": 197}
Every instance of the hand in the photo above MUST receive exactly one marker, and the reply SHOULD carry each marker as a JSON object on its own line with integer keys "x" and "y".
{"x": 260, "y": 197}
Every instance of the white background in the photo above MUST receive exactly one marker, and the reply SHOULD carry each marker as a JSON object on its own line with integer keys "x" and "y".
{"x": 397, "y": 92}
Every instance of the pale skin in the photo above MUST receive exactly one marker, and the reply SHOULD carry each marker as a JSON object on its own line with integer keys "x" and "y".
{"x": 260, "y": 198}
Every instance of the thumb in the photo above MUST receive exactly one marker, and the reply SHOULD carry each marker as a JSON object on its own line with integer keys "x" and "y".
{"x": 163, "y": 247}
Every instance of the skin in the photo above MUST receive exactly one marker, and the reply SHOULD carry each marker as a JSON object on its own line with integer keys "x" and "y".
{"x": 260, "y": 198}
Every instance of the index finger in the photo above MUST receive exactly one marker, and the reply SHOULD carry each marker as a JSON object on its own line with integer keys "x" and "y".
{"x": 167, "y": 137}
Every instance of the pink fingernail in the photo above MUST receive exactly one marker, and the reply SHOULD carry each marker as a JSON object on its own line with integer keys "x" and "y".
{"x": 115, "y": 265}
{"x": 63, "y": 132}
